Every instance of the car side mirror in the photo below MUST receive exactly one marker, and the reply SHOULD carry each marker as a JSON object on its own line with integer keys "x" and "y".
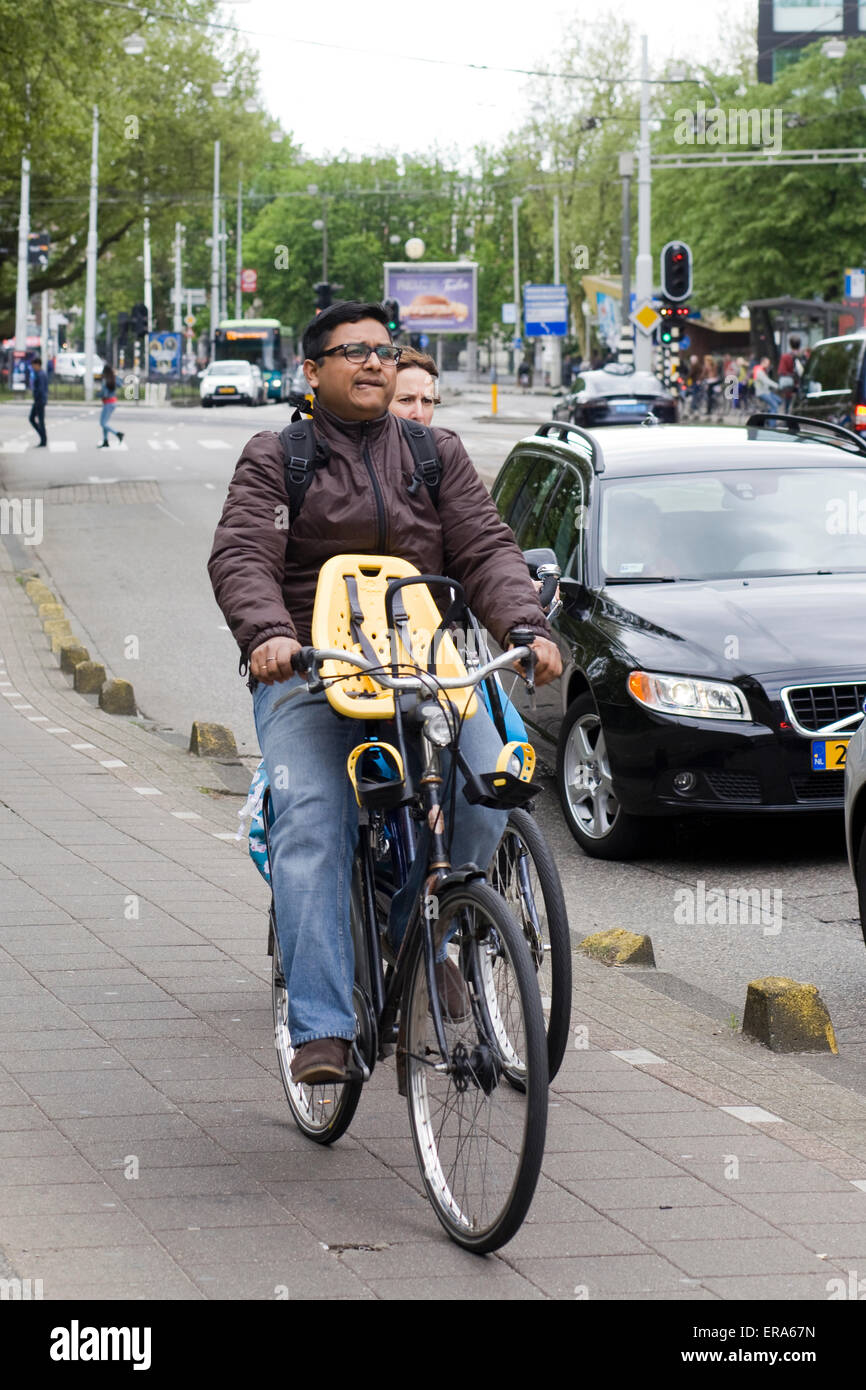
{"x": 542, "y": 556}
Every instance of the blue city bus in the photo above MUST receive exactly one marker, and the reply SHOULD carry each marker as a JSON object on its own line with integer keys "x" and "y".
{"x": 259, "y": 341}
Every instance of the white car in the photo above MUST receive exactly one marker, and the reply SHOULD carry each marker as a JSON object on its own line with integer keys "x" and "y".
{"x": 70, "y": 366}
{"x": 223, "y": 382}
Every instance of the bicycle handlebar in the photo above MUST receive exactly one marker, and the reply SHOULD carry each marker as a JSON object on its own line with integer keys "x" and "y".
{"x": 308, "y": 659}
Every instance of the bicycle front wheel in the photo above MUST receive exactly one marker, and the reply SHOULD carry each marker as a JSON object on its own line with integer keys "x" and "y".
{"x": 479, "y": 1141}
{"x": 523, "y": 872}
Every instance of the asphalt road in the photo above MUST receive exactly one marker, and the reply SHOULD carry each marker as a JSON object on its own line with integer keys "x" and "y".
{"x": 137, "y": 570}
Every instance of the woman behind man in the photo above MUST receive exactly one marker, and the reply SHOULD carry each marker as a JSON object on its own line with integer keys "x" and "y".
{"x": 417, "y": 393}
{"x": 108, "y": 391}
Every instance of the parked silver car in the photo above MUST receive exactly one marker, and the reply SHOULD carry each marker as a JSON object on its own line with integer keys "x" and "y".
{"x": 855, "y": 815}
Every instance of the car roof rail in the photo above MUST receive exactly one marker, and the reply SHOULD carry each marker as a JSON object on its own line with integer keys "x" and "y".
{"x": 805, "y": 427}
{"x": 563, "y": 429}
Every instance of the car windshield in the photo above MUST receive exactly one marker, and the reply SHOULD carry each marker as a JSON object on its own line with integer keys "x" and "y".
{"x": 731, "y": 524}
{"x": 229, "y": 368}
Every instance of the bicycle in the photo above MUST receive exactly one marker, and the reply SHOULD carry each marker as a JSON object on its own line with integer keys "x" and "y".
{"x": 474, "y": 1067}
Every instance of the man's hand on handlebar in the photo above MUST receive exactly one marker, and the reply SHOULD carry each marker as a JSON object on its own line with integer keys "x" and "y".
{"x": 272, "y": 661}
{"x": 548, "y": 662}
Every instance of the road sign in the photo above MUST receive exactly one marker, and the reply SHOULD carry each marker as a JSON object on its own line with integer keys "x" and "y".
{"x": 508, "y": 313}
{"x": 189, "y": 320}
{"x": 645, "y": 317}
{"x": 516, "y": 343}
{"x": 545, "y": 311}
{"x": 196, "y": 296}
{"x": 685, "y": 342}
{"x": 855, "y": 284}
{"x": 249, "y": 281}
{"x": 423, "y": 339}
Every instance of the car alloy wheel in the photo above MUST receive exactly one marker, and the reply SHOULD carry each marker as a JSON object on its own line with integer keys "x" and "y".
{"x": 589, "y": 801}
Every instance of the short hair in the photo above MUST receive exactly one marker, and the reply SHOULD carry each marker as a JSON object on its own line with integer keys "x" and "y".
{"x": 794, "y": 341}
{"x": 319, "y": 329}
{"x": 411, "y": 357}
{"x": 34, "y": 359}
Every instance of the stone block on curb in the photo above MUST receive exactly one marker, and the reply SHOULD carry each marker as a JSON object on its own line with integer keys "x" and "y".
{"x": 57, "y": 627}
{"x": 117, "y": 697}
{"x": 619, "y": 947}
{"x": 212, "y": 740}
{"x": 39, "y": 591}
{"x": 50, "y": 610}
{"x": 72, "y": 653}
{"x": 89, "y": 677}
{"x": 787, "y": 1016}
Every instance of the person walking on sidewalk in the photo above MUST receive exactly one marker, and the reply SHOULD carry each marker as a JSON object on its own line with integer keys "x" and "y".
{"x": 108, "y": 391}
{"x": 39, "y": 383}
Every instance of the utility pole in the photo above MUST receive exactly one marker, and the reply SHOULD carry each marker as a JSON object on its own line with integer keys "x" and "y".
{"x": 177, "y": 319}
{"x": 239, "y": 251}
{"x": 224, "y": 278}
{"x": 215, "y": 252}
{"x": 22, "y": 297}
{"x": 644, "y": 267}
{"x": 515, "y": 204}
{"x": 626, "y": 336}
{"x": 148, "y": 291}
{"x": 556, "y": 342}
{"x": 92, "y": 247}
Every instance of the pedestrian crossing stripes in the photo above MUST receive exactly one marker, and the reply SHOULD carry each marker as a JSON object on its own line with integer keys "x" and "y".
{"x": 71, "y": 446}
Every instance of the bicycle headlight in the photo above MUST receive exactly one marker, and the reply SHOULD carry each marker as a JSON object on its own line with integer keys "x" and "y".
{"x": 436, "y": 724}
{"x": 686, "y": 695}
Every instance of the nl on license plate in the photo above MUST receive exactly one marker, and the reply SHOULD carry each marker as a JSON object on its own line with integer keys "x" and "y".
{"x": 828, "y": 754}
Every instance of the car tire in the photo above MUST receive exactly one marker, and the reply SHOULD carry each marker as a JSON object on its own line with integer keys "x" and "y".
{"x": 592, "y": 812}
{"x": 207, "y": 404}
{"x": 860, "y": 875}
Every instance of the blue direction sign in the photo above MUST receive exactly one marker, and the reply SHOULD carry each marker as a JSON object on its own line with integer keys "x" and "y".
{"x": 545, "y": 311}
{"x": 423, "y": 339}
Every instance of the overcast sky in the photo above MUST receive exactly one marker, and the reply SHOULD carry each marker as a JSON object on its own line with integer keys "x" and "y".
{"x": 368, "y": 99}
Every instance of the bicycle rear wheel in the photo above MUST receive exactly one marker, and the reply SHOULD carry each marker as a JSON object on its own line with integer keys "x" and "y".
{"x": 323, "y": 1113}
{"x": 479, "y": 1142}
{"x": 523, "y": 872}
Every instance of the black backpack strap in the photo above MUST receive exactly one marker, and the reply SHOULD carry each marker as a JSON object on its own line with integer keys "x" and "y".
{"x": 303, "y": 454}
{"x": 428, "y": 465}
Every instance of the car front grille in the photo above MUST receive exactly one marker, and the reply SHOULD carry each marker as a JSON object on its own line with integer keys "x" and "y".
{"x": 812, "y": 708}
{"x": 735, "y": 786}
{"x": 819, "y": 786}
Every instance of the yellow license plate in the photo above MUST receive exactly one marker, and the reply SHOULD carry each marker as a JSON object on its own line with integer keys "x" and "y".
{"x": 225, "y": 390}
{"x": 828, "y": 754}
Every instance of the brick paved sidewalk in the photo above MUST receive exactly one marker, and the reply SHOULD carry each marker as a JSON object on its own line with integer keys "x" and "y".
{"x": 146, "y": 1147}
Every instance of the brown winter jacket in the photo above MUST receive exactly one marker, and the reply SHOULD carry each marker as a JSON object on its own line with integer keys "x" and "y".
{"x": 264, "y": 575}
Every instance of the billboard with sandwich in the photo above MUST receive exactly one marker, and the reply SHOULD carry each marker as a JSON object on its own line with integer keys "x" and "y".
{"x": 434, "y": 297}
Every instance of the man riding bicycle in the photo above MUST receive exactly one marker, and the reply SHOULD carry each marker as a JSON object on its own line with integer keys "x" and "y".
{"x": 361, "y": 500}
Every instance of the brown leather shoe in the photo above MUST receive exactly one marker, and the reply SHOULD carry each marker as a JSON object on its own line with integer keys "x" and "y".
{"x": 453, "y": 995}
{"x": 321, "y": 1062}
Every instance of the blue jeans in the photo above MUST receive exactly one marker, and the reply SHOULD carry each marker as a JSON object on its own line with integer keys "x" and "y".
{"x": 313, "y": 839}
{"x": 772, "y": 402}
{"x": 108, "y": 410}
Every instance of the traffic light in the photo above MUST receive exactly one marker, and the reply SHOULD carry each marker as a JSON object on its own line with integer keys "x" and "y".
{"x": 323, "y": 296}
{"x": 38, "y": 248}
{"x": 138, "y": 319}
{"x": 676, "y": 271}
{"x": 666, "y": 330}
{"x": 392, "y": 309}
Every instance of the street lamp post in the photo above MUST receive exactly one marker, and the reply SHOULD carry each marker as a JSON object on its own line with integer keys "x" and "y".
{"x": 215, "y": 251}
{"x": 644, "y": 267}
{"x": 515, "y": 204}
{"x": 148, "y": 292}
{"x": 21, "y": 293}
{"x": 92, "y": 247}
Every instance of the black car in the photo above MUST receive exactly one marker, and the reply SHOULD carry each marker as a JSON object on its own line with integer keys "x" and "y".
{"x": 712, "y": 630}
{"x": 616, "y": 395}
{"x": 833, "y": 384}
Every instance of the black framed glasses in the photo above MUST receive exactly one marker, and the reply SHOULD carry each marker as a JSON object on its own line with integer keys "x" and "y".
{"x": 360, "y": 352}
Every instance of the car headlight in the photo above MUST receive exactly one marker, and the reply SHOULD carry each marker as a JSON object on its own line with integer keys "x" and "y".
{"x": 686, "y": 695}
